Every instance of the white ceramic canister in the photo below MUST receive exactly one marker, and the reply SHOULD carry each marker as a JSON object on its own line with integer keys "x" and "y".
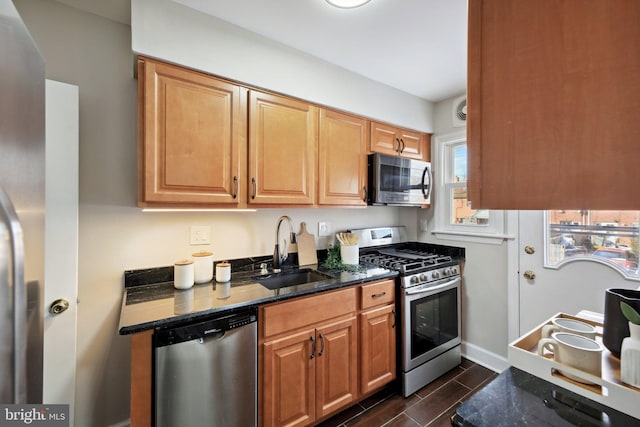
{"x": 183, "y": 274}
{"x": 203, "y": 266}
{"x": 223, "y": 272}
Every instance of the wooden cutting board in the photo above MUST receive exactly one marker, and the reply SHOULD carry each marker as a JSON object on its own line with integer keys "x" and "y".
{"x": 306, "y": 246}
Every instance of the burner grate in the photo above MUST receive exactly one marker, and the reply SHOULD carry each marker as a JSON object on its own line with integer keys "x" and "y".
{"x": 405, "y": 260}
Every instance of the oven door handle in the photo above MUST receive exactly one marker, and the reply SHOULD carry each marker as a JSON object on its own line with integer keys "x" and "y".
{"x": 434, "y": 288}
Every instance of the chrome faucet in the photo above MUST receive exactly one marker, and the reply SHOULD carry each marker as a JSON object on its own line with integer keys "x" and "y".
{"x": 280, "y": 255}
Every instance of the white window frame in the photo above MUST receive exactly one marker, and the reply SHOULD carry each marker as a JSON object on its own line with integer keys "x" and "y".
{"x": 492, "y": 233}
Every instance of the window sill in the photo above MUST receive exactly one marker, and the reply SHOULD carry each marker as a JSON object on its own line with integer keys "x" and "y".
{"x": 464, "y": 236}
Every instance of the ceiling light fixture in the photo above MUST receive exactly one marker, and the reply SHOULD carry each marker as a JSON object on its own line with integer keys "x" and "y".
{"x": 347, "y": 4}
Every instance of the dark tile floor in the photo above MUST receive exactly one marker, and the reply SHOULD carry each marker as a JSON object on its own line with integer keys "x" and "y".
{"x": 430, "y": 406}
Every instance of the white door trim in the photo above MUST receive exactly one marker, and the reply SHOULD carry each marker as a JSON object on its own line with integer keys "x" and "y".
{"x": 61, "y": 243}
{"x": 513, "y": 276}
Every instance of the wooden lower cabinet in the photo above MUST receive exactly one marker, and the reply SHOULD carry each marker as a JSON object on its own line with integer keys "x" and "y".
{"x": 336, "y": 366}
{"x": 310, "y": 374}
{"x": 141, "y": 379}
{"x": 288, "y": 380}
{"x": 340, "y": 348}
{"x": 377, "y": 348}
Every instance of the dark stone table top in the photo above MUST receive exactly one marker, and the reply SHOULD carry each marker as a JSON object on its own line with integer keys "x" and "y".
{"x": 517, "y": 398}
{"x": 149, "y": 305}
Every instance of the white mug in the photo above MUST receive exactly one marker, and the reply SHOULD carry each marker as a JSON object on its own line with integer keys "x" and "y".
{"x": 575, "y": 351}
{"x": 563, "y": 324}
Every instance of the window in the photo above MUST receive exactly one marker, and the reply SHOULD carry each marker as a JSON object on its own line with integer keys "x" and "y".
{"x": 455, "y": 217}
{"x": 608, "y": 237}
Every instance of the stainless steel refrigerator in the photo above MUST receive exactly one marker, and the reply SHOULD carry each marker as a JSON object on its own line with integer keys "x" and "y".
{"x": 22, "y": 167}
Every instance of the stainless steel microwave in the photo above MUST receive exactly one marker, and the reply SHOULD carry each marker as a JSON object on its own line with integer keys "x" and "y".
{"x": 399, "y": 181}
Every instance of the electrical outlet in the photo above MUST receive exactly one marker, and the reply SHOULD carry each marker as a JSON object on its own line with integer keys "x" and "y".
{"x": 200, "y": 235}
{"x": 324, "y": 229}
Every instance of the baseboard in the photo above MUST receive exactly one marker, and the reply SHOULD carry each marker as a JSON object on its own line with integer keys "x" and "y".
{"x": 484, "y": 357}
{"x": 125, "y": 423}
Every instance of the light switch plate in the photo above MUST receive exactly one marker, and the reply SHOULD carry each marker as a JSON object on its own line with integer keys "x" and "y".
{"x": 200, "y": 235}
{"x": 324, "y": 229}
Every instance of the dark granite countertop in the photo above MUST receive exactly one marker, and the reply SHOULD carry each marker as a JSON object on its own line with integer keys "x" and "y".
{"x": 517, "y": 398}
{"x": 150, "y": 302}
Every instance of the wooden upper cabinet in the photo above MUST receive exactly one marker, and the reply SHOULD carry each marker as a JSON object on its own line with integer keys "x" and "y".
{"x": 342, "y": 159}
{"x": 283, "y": 138}
{"x": 191, "y": 137}
{"x": 553, "y": 104}
{"x": 395, "y": 141}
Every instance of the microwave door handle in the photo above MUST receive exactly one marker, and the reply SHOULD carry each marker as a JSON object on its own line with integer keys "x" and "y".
{"x": 426, "y": 174}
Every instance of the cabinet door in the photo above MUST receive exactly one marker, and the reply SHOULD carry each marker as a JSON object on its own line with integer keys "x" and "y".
{"x": 553, "y": 99}
{"x": 393, "y": 141}
{"x": 377, "y": 348}
{"x": 336, "y": 366}
{"x": 283, "y": 136}
{"x": 415, "y": 145}
{"x": 342, "y": 163}
{"x": 288, "y": 380}
{"x": 192, "y": 129}
{"x": 384, "y": 139}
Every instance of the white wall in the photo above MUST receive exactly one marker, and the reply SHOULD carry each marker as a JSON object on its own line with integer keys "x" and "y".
{"x": 484, "y": 294}
{"x": 95, "y": 54}
{"x": 176, "y": 33}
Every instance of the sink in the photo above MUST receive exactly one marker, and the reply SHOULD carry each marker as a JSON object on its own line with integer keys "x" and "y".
{"x": 294, "y": 278}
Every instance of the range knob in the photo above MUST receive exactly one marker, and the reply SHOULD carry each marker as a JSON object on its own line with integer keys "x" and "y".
{"x": 435, "y": 274}
{"x": 414, "y": 280}
{"x": 424, "y": 277}
{"x": 447, "y": 272}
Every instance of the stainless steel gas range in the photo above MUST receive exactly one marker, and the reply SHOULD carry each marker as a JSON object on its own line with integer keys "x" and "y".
{"x": 429, "y": 299}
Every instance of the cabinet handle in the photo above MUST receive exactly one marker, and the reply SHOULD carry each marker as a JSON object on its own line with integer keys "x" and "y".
{"x": 402, "y": 149}
{"x": 364, "y": 191}
{"x": 393, "y": 312}
{"x": 381, "y": 294}
{"x": 398, "y": 141}
{"x": 235, "y": 187}
{"x": 253, "y": 183}
{"x": 321, "y": 345}
{"x": 313, "y": 348}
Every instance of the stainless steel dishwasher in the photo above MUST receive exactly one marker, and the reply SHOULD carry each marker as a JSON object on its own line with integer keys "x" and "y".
{"x": 206, "y": 373}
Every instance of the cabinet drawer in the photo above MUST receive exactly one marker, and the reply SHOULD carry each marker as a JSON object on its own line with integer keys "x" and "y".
{"x": 288, "y": 316}
{"x": 377, "y": 293}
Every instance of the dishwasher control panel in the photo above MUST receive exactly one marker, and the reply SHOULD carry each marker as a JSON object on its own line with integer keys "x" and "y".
{"x": 212, "y": 327}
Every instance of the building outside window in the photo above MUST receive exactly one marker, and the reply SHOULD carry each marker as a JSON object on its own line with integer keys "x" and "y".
{"x": 454, "y": 214}
{"x": 609, "y": 237}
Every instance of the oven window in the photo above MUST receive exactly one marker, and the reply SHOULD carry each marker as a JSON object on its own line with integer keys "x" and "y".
{"x": 434, "y": 321}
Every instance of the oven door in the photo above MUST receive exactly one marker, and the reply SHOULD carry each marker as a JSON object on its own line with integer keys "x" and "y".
{"x": 430, "y": 321}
